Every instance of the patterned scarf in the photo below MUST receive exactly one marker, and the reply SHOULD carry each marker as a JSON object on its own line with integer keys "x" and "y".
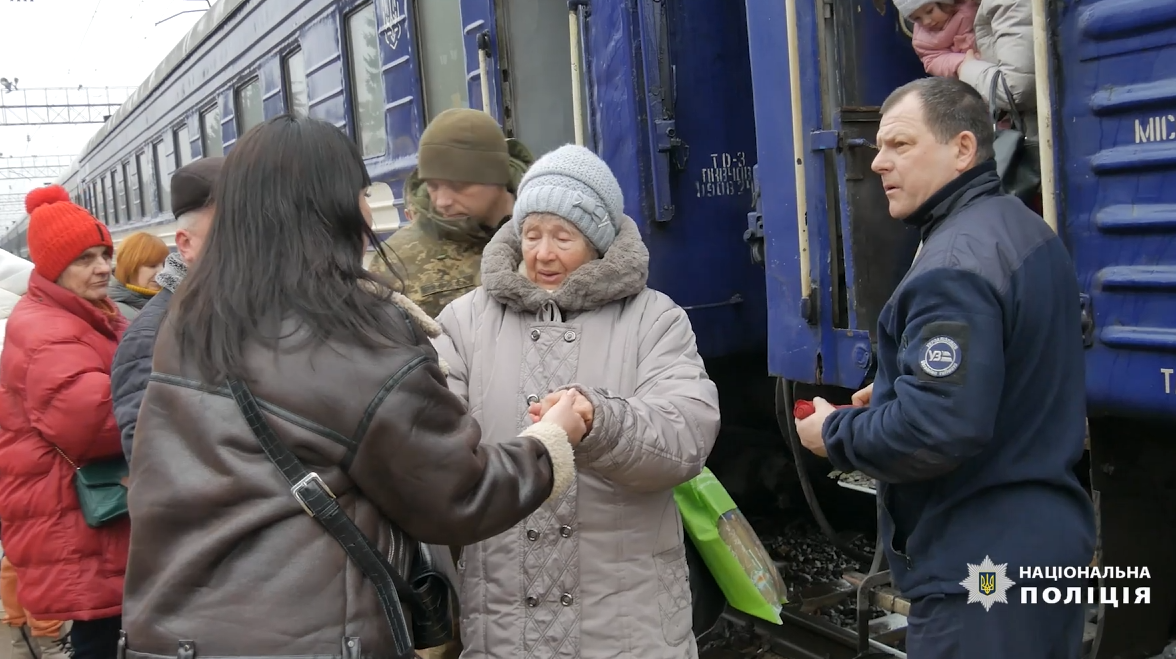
{"x": 174, "y": 271}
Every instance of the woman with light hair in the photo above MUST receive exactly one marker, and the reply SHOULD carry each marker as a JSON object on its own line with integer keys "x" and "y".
{"x": 138, "y": 259}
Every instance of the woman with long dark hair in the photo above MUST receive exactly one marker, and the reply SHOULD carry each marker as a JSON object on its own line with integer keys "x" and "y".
{"x": 301, "y": 431}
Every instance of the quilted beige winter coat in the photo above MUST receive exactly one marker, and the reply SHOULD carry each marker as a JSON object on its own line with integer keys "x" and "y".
{"x": 600, "y": 572}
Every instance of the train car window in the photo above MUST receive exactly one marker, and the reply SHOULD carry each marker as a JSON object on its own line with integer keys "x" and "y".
{"x": 147, "y": 184}
{"x": 367, "y": 81}
{"x": 118, "y": 197}
{"x": 162, "y": 176}
{"x": 182, "y": 145}
{"x": 297, "y": 97}
{"x": 210, "y": 132}
{"x": 105, "y": 201}
{"x": 249, "y": 109}
{"x": 443, "y": 67}
{"x": 131, "y": 180}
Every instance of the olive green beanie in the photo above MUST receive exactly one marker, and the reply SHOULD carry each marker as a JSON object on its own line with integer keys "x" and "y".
{"x": 465, "y": 146}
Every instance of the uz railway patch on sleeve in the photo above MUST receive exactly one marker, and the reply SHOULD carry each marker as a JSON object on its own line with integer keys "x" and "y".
{"x": 942, "y": 356}
{"x": 939, "y": 352}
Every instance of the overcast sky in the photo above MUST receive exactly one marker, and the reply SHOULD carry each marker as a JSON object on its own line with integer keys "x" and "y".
{"x": 67, "y": 43}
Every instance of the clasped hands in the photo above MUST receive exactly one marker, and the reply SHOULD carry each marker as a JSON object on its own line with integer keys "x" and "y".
{"x": 810, "y": 429}
{"x": 568, "y": 409}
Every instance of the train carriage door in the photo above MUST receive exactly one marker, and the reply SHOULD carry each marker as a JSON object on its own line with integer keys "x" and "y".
{"x": 535, "y": 50}
{"x": 479, "y": 31}
{"x": 670, "y": 99}
{"x": 834, "y": 253}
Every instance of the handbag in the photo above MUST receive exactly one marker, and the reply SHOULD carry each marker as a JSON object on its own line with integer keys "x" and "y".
{"x": 101, "y": 493}
{"x": 429, "y": 589}
{"x": 1018, "y": 159}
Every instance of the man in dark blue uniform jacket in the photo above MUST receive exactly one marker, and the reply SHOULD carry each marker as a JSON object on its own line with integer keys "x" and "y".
{"x": 976, "y": 418}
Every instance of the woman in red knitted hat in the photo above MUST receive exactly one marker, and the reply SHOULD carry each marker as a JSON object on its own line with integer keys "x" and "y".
{"x": 56, "y": 414}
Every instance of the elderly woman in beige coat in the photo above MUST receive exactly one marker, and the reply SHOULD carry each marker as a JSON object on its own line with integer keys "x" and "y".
{"x": 600, "y": 572}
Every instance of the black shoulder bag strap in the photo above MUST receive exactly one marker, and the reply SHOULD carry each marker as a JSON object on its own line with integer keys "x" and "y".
{"x": 319, "y": 502}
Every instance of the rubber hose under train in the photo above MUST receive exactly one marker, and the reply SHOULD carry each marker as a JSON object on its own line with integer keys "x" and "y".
{"x": 786, "y": 395}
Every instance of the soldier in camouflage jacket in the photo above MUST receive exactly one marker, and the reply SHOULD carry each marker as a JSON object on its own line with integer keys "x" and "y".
{"x": 462, "y": 190}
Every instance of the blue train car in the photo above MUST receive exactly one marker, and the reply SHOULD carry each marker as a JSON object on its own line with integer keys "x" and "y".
{"x": 663, "y": 95}
{"x": 833, "y": 255}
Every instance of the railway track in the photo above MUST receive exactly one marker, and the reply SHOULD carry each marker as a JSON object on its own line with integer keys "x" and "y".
{"x": 821, "y": 618}
{"x": 826, "y": 590}
{"x": 801, "y": 636}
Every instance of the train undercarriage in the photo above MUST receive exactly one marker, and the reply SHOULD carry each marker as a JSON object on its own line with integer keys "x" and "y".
{"x": 820, "y": 527}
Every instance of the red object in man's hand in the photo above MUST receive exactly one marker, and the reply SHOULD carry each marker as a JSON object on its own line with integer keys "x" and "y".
{"x": 805, "y": 408}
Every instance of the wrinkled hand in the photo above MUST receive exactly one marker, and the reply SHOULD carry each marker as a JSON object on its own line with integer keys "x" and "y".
{"x": 581, "y": 405}
{"x": 971, "y": 55}
{"x": 863, "y": 396}
{"x": 564, "y": 415}
{"x": 810, "y": 428}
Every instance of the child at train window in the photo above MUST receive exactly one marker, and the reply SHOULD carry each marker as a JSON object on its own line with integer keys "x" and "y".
{"x": 943, "y": 32}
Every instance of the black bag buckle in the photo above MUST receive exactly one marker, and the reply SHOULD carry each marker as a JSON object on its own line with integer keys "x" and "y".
{"x": 308, "y": 480}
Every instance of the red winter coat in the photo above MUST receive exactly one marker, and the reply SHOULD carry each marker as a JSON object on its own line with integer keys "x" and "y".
{"x": 55, "y": 390}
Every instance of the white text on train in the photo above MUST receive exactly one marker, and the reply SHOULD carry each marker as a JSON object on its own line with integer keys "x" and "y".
{"x": 1155, "y": 129}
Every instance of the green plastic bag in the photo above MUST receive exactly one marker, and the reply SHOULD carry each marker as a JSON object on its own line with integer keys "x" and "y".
{"x": 730, "y": 548}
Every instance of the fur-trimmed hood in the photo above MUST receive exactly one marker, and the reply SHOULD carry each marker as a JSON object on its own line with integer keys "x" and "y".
{"x": 621, "y": 273}
{"x": 431, "y": 327}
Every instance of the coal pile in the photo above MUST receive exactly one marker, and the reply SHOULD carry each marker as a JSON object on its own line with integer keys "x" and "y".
{"x": 736, "y": 644}
{"x": 805, "y": 556}
{"x": 808, "y": 560}
{"x": 845, "y": 614}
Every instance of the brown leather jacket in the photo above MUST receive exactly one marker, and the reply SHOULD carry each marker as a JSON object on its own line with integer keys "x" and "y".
{"x": 224, "y": 556}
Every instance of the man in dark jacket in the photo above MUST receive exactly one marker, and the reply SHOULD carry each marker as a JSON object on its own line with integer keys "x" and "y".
{"x": 978, "y": 416}
{"x": 191, "y": 202}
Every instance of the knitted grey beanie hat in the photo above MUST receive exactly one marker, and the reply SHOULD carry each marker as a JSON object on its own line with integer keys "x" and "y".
{"x": 575, "y": 184}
